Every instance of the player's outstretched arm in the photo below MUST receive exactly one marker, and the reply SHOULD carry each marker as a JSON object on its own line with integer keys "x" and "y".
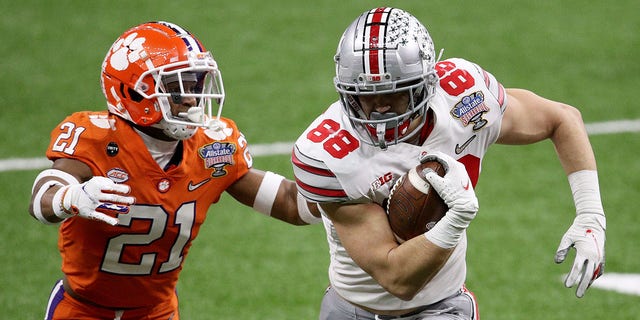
{"x": 273, "y": 195}
{"x": 530, "y": 118}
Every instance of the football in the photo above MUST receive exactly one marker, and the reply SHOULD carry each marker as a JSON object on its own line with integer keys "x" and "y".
{"x": 413, "y": 206}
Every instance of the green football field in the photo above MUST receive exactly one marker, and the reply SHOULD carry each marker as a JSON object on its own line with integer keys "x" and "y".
{"x": 276, "y": 61}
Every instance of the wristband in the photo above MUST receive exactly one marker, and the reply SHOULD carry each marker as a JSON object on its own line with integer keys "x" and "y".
{"x": 37, "y": 206}
{"x": 267, "y": 192}
{"x": 58, "y": 205}
{"x": 586, "y": 192}
{"x": 304, "y": 212}
{"x": 446, "y": 233}
{"x": 37, "y": 199}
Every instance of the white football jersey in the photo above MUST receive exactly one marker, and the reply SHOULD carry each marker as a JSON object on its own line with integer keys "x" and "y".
{"x": 331, "y": 165}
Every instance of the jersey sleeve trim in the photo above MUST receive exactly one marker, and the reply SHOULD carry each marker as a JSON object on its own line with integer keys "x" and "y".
{"x": 495, "y": 87}
{"x": 500, "y": 95}
{"x": 311, "y": 168}
{"x": 312, "y": 191}
{"x": 314, "y": 179}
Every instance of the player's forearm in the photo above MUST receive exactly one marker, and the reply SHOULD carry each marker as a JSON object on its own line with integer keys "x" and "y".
{"x": 412, "y": 265}
{"x": 276, "y": 197}
{"x": 45, "y": 187}
{"x": 572, "y": 142}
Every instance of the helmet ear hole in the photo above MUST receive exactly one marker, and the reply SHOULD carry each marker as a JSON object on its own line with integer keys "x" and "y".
{"x": 135, "y": 96}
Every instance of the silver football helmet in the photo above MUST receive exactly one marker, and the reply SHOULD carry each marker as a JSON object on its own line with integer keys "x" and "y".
{"x": 385, "y": 50}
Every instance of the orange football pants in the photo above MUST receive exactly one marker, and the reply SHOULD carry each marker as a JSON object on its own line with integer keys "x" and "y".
{"x": 62, "y": 306}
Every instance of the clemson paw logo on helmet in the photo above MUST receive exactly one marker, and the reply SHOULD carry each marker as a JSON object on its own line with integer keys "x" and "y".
{"x": 217, "y": 130}
{"x": 126, "y": 51}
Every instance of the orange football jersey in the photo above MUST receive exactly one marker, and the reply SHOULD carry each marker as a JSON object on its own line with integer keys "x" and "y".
{"x": 136, "y": 263}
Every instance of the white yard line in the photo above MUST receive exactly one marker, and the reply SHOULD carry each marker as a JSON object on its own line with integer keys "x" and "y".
{"x": 626, "y": 283}
{"x": 282, "y": 148}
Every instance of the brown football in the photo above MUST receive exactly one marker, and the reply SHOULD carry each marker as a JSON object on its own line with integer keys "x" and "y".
{"x": 412, "y": 212}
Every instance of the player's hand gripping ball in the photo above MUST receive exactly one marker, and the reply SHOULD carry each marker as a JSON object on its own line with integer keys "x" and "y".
{"x": 414, "y": 206}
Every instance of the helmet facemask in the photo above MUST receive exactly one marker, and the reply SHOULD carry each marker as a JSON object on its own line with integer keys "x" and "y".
{"x": 389, "y": 128}
{"x": 197, "y": 78}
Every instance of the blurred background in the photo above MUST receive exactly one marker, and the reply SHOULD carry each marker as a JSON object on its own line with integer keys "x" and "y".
{"x": 276, "y": 59}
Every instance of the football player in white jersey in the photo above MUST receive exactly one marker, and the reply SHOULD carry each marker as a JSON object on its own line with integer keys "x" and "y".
{"x": 399, "y": 105}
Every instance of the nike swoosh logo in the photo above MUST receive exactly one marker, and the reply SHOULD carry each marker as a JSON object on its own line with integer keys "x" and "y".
{"x": 192, "y": 186}
{"x": 460, "y": 148}
{"x": 466, "y": 187}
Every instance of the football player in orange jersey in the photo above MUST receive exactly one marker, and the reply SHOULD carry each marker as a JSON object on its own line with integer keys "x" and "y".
{"x": 132, "y": 186}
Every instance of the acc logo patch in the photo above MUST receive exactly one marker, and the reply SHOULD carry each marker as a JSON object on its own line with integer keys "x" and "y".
{"x": 470, "y": 110}
{"x": 217, "y": 156}
{"x": 118, "y": 175}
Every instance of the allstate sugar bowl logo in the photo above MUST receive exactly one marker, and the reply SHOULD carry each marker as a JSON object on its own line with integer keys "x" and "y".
{"x": 216, "y": 156}
{"x": 470, "y": 110}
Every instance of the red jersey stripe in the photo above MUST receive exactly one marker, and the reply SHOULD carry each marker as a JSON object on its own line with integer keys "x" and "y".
{"x": 310, "y": 169}
{"x": 322, "y": 192}
{"x": 501, "y": 95}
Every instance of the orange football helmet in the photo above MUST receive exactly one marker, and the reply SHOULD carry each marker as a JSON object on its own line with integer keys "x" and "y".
{"x": 140, "y": 64}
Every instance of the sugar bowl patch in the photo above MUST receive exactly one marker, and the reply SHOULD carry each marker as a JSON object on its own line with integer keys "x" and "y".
{"x": 217, "y": 156}
{"x": 470, "y": 110}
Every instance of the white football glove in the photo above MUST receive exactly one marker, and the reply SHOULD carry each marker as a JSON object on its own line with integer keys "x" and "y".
{"x": 457, "y": 192}
{"x": 92, "y": 199}
{"x": 587, "y": 235}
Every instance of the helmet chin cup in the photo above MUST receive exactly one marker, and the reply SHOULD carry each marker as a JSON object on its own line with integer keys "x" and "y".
{"x": 176, "y": 131}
